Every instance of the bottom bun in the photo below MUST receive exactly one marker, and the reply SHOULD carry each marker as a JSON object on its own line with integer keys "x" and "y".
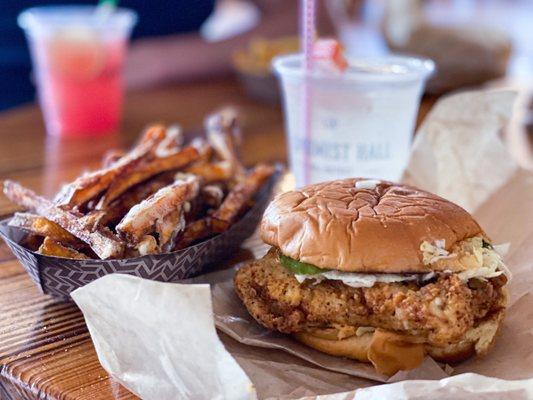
{"x": 478, "y": 341}
{"x": 354, "y": 347}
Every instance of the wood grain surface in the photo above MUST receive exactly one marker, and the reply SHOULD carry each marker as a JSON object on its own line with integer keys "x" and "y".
{"x": 45, "y": 348}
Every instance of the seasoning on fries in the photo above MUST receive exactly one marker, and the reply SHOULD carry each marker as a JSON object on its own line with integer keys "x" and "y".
{"x": 162, "y": 195}
{"x": 163, "y": 213}
{"x": 212, "y": 172}
{"x": 104, "y": 244}
{"x": 90, "y": 185}
{"x": 147, "y": 170}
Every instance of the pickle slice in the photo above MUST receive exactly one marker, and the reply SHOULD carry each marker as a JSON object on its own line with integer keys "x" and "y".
{"x": 300, "y": 268}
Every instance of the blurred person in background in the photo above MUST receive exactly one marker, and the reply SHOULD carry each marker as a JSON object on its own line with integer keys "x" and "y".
{"x": 174, "y": 40}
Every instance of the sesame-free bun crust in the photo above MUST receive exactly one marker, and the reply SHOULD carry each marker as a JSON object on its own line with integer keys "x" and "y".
{"x": 335, "y": 225}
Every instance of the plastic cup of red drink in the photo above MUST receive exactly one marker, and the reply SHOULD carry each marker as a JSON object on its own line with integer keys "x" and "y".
{"x": 78, "y": 54}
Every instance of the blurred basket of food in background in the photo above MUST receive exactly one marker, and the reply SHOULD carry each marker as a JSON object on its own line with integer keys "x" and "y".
{"x": 466, "y": 54}
{"x": 253, "y": 66}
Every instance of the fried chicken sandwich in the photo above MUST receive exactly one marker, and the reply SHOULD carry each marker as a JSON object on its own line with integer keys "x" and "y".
{"x": 378, "y": 272}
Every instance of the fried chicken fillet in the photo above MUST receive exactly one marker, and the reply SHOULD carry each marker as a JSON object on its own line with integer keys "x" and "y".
{"x": 441, "y": 310}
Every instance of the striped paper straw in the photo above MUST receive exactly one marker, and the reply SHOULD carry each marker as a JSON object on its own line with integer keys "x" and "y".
{"x": 308, "y": 30}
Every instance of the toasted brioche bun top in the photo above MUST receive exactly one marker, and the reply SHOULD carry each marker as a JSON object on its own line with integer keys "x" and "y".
{"x": 370, "y": 228}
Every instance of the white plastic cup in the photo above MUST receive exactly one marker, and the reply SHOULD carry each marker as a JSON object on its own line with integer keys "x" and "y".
{"x": 78, "y": 53}
{"x": 362, "y": 120}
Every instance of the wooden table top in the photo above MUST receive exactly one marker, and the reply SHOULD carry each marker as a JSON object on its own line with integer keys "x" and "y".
{"x": 45, "y": 349}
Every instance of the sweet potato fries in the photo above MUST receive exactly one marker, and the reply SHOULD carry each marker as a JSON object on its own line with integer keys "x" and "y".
{"x": 162, "y": 195}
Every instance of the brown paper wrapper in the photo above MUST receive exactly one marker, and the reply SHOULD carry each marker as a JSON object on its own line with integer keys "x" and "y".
{"x": 59, "y": 276}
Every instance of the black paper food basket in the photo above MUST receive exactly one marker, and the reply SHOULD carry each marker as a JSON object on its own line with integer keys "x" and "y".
{"x": 60, "y": 276}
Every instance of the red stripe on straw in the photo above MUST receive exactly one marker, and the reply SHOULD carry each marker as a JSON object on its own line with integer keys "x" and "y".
{"x": 308, "y": 30}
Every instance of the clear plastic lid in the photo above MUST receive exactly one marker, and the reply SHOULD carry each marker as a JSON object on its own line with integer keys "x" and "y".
{"x": 390, "y": 69}
{"x": 49, "y": 19}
